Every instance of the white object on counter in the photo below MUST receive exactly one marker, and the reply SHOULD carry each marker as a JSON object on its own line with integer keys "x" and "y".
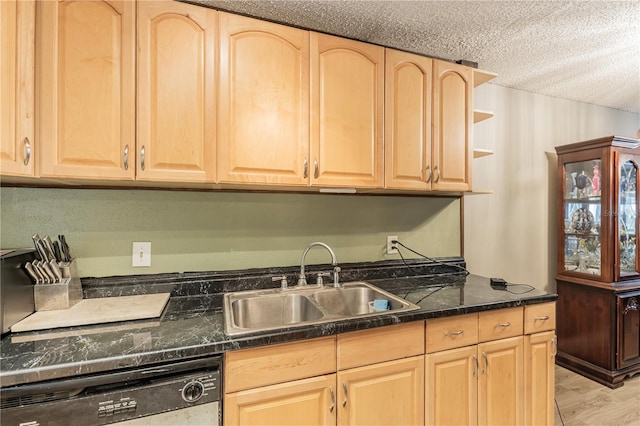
{"x": 97, "y": 311}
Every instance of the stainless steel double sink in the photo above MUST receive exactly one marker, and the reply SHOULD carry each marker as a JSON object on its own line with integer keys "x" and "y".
{"x": 263, "y": 310}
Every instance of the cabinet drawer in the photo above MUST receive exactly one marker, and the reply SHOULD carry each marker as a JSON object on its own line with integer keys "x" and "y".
{"x": 378, "y": 345}
{"x": 451, "y": 332}
{"x": 541, "y": 317}
{"x": 500, "y": 324}
{"x": 252, "y": 368}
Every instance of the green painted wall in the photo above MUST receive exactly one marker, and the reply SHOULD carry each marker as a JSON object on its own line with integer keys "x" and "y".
{"x": 207, "y": 231}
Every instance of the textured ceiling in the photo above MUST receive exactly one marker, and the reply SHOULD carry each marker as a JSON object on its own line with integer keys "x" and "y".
{"x": 585, "y": 51}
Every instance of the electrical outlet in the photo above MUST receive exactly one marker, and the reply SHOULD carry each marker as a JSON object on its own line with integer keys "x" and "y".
{"x": 392, "y": 248}
{"x": 141, "y": 254}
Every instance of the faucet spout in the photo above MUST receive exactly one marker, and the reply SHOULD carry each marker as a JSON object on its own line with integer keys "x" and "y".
{"x": 302, "y": 279}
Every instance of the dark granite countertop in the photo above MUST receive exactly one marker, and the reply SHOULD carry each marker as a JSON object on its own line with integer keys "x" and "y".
{"x": 192, "y": 325}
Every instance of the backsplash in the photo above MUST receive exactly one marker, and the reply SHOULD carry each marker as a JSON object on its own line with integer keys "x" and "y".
{"x": 217, "y": 231}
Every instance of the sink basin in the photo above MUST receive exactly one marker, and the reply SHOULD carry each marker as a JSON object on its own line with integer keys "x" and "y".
{"x": 274, "y": 310}
{"x": 264, "y": 310}
{"x": 353, "y": 300}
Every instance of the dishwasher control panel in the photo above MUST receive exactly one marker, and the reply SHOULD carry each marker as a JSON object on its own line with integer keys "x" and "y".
{"x": 161, "y": 396}
{"x": 150, "y": 393}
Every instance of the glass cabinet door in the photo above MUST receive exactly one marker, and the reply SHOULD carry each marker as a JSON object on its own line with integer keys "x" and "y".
{"x": 582, "y": 216}
{"x": 627, "y": 218}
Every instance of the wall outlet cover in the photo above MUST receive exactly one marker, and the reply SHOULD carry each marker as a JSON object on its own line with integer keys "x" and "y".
{"x": 391, "y": 247}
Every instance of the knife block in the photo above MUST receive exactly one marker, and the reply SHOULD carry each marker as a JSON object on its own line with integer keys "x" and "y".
{"x": 62, "y": 295}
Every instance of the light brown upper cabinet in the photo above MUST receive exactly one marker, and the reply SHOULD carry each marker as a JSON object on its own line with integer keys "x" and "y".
{"x": 263, "y": 130}
{"x": 176, "y": 92}
{"x": 17, "y": 24}
{"x": 86, "y": 81}
{"x": 347, "y": 89}
{"x": 408, "y": 83}
{"x": 452, "y": 126}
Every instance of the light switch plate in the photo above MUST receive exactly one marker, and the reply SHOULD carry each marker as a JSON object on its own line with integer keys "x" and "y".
{"x": 141, "y": 254}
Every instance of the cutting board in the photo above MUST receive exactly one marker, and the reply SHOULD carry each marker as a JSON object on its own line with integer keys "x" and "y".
{"x": 97, "y": 311}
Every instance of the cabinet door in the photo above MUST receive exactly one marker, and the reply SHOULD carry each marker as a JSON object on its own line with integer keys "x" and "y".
{"x": 625, "y": 247}
{"x": 389, "y": 393}
{"x": 347, "y": 89}
{"x": 17, "y": 29}
{"x": 263, "y": 131}
{"x": 451, "y": 391}
{"x": 452, "y": 126}
{"x": 408, "y": 83}
{"x": 539, "y": 395}
{"x": 87, "y": 94}
{"x": 301, "y": 402}
{"x": 501, "y": 384}
{"x": 176, "y": 98}
{"x": 628, "y": 329}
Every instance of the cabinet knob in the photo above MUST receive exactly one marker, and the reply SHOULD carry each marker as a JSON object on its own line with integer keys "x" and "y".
{"x": 27, "y": 151}
{"x": 125, "y": 157}
{"x": 142, "y": 157}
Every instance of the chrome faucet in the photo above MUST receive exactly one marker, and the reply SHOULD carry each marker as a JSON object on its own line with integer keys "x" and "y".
{"x": 302, "y": 279}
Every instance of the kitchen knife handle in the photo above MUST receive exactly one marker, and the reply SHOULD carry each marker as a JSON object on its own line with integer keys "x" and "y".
{"x": 125, "y": 157}
{"x": 31, "y": 272}
{"x": 27, "y": 151}
{"x": 142, "y": 157}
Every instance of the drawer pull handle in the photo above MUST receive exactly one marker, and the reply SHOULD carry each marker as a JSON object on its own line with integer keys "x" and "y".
{"x": 306, "y": 168}
{"x": 437, "y": 174}
{"x": 486, "y": 363}
{"x": 27, "y": 151}
{"x": 333, "y": 399}
{"x": 475, "y": 370}
{"x": 316, "y": 171}
{"x": 429, "y": 174}
{"x": 544, "y": 318}
{"x": 142, "y": 157}
{"x": 504, "y": 324}
{"x": 454, "y": 333}
{"x": 344, "y": 387}
{"x": 125, "y": 157}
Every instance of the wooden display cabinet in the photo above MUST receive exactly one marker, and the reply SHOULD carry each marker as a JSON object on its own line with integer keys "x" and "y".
{"x": 598, "y": 263}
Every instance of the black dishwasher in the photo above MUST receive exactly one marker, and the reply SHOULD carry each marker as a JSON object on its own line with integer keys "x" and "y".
{"x": 184, "y": 392}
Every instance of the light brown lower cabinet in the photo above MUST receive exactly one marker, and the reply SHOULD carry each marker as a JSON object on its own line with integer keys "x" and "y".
{"x": 474, "y": 377}
{"x": 540, "y": 358}
{"x": 480, "y": 384}
{"x": 389, "y": 393}
{"x": 300, "y": 402}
